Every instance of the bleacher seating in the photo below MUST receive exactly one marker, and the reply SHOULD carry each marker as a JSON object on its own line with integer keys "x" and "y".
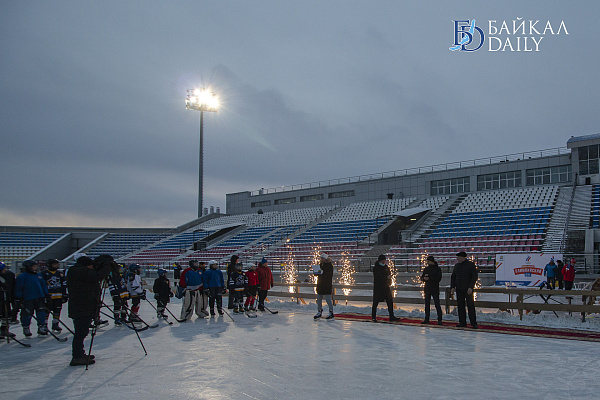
{"x": 121, "y": 244}
{"x": 22, "y": 245}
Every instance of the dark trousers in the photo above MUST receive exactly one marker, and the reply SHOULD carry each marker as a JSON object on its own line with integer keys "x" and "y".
{"x": 29, "y": 306}
{"x": 436, "y": 300}
{"x": 55, "y": 308}
{"x": 560, "y": 284}
{"x": 81, "y": 328}
{"x": 231, "y": 299}
{"x": 390, "y": 304}
{"x": 568, "y": 285}
{"x": 551, "y": 281}
{"x": 262, "y": 295}
{"x": 215, "y": 296}
{"x": 463, "y": 298}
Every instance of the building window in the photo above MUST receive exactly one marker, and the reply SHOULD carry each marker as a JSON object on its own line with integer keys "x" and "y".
{"x": 312, "y": 197}
{"x": 502, "y": 180}
{"x": 260, "y": 203}
{"x": 337, "y": 195}
{"x": 289, "y": 200}
{"x": 545, "y": 176}
{"x": 588, "y": 159}
{"x": 450, "y": 186}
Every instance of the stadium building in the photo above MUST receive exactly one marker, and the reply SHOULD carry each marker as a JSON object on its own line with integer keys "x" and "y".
{"x": 539, "y": 201}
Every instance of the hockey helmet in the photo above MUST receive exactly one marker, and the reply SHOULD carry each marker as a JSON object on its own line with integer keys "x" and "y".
{"x": 29, "y": 264}
{"x": 2, "y": 266}
{"x": 52, "y": 261}
{"x": 134, "y": 267}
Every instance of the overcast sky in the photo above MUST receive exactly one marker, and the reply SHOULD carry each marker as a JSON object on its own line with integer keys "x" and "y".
{"x": 94, "y": 130}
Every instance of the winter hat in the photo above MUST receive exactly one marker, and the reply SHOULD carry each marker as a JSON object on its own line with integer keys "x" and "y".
{"x": 77, "y": 256}
{"x": 161, "y": 272}
{"x": 431, "y": 258}
{"x": 85, "y": 261}
{"x": 461, "y": 254}
{"x": 381, "y": 257}
{"x": 2, "y": 266}
{"x": 263, "y": 261}
{"x": 324, "y": 255}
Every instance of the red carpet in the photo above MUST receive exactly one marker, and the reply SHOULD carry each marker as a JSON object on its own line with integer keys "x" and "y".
{"x": 557, "y": 333}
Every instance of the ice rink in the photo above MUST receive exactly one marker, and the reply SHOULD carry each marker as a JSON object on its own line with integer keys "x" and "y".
{"x": 291, "y": 356}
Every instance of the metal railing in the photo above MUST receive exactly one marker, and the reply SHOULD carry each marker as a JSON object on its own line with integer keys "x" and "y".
{"x": 417, "y": 170}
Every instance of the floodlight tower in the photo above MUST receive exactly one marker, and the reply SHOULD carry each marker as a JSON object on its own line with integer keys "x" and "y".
{"x": 201, "y": 100}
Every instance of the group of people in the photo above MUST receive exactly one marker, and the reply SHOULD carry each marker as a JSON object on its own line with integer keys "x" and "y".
{"x": 558, "y": 272}
{"x": 202, "y": 288}
{"x": 462, "y": 282}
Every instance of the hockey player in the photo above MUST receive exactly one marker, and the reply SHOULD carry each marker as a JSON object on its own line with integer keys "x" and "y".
{"x": 214, "y": 287}
{"x": 162, "y": 293}
{"x": 136, "y": 290}
{"x": 238, "y": 284}
{"x": 7, "y": 296}
{"x": 252, "y": 288}
{"x": 31, "y": 293}
{"x": 118, "y": 290}
{"x": 57, "y": 289}
{"x": 191, "y": 279}
{"x": 265, "y": 281}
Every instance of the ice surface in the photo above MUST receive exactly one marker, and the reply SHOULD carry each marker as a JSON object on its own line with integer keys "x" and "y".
{"x": 291, "y": 356}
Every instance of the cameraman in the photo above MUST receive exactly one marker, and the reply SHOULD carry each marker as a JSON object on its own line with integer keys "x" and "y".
{"x": 83, "y": 283}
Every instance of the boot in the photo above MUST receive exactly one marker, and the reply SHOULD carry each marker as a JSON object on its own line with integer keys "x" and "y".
{"x": 212, "y": 312}
{"x": 220, "y": 310}
{"x": 393, "y": 318}
{"x": 318, "y": 315}
{"x": 330, "y": 316}
{"x": 56, "y": 327}
{"x": 43, "y": 330}
{"x": 26, "y": 331}
{"x": 81, "y": 361}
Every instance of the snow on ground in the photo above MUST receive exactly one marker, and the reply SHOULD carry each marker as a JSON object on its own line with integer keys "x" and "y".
{"x": 291, "y": 356}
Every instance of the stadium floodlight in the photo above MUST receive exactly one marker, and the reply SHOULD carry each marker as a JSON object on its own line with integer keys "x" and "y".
{"x": 201, "y": 100}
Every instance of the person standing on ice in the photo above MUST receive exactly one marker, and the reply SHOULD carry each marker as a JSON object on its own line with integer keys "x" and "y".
{"x": 192, "y": 281}
{"x": 230, "y": 271}
{"x": 463, "y": 279}
{"x": 83, "y": 283}
{"x": 265, "y": 281}
{"x": 136, "y": 290}
{"x": 325, "y": 286}
{"x": 162, "y": 293}
{"x": 382, "y": 288}
{"x": 568, "y": 273}
{"x": 252, "y": 276}
{"x": 550, "y": 273}
{"x": 431, "y": 276}
{"x": 31, "y": 292}
{"x": 214, "y": 286}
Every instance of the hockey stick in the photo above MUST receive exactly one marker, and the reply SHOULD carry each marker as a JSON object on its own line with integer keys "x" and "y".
{"x": 60, "y": 321}
{"x": 225, "y": 311}
{"x": 165, "y": 318}
{"x": 266, "y": 308}
{"x": 176, "y": 319}
{"x": 140, "y": 320}
{"x": 123, "y": 323}
{"x": 8, "y": 334}
{"x": 49, "y": 331}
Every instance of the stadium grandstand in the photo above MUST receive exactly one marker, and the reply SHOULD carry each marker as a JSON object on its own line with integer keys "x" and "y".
{"x": 537, "y": 201}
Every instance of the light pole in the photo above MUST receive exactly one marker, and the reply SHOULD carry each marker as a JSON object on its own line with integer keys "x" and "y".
{"x": 201, "y": 100}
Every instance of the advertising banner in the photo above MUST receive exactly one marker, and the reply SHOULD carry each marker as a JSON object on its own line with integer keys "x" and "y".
{"x": 523, "y": 269}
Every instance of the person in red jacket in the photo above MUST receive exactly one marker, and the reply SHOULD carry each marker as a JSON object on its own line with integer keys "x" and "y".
{"x": 568, "y": 272}
{"x": 265, "y": 281}
{"x": 252, "y": 276}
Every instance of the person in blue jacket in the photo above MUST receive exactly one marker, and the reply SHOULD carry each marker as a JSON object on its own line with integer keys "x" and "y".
{"x": 550, "y": 273}
{"x": 31, "y": 293}
{"x": 214, "y": 286}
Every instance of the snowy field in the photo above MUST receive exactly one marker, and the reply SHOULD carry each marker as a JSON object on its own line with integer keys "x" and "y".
{"x": 291, "y": 356}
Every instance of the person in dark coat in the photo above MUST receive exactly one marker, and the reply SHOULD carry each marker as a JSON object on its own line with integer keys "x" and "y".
{"x": 7, "y": 297}
{"x": 162, "y": 293}
{"x": 83, "y": 283}
{"x": 559, "y": 275}
{"x": 325, "y": 286}
{"x": 463, "y": 279}
{"x": 431, "y": 276}
{"x": 382, "y": 288}
{"x": 230, "y": 271}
